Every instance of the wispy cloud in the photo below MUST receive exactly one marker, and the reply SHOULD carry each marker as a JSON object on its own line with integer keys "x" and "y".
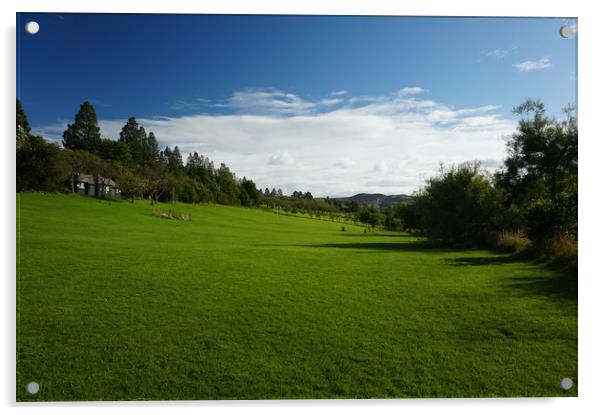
{"x": 386, "y": 144}
{"x": 280, "y": 159}
{"x": 267, "y": 101}
{"x": 338, "y": 93}
{"x": 500, "y": 53}
{"x": 344, "y": 163}
{"x": 331, "y": 101}
{"x": 528, "y": 66}
{"x": 413, "y": 90}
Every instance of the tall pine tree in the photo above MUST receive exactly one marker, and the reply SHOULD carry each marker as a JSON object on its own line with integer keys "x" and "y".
{"x": 144, "y": 149}
{"x": 84, "y": 133}
{"x": 151, "y": 150}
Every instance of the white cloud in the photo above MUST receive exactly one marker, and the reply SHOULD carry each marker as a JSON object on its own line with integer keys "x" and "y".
{"x": 344, "y": 163}
{"x": 365, "y": 99}
{"x": 338, "y": 93}
{"x": 528, "y": 66}
{"x": 385, "y": 144}
{"x": 280, "y": 159}
{"x": 381, "y": 167}
{"x": 484, "y": 108}
{"x": 410, "y": 91}
{"x": 500, "y": 53}
{"x": 267, "y": 101}
{"x": 331, "y": 101}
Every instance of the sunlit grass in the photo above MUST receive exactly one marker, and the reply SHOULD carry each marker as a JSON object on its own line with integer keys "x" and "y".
{"x": 115, "y": 303}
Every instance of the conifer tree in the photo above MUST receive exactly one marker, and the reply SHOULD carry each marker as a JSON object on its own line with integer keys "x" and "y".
{"x": 84, "y": 133}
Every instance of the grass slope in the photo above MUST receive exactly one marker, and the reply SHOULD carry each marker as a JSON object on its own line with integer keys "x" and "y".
{"x": 114, "y": 303}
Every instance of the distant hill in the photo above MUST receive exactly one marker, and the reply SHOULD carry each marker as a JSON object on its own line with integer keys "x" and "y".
{"x": 378, "y": 200}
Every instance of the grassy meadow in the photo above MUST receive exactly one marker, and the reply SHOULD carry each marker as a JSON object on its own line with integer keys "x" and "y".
{"x": 114, "y": 303}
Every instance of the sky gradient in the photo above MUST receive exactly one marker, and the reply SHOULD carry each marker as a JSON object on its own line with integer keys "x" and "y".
{"x": 331, "y": 105}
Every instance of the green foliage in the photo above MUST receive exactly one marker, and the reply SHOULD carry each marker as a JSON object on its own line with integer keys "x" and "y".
{"x": 144, "y": 149}
{"x": 40, "y": 166}
{"x": 115, "y": 151}
{"x": 370, "y": 216}
{"x": 253, "y": 194}
{"x": 227, "y": 185}
{"x": 408, "y": 214}
{"x": 546, "y": 218}
{"x": 172, "y": 159}
{"x": 84, "y": 133}
{"x": 460, "y": 206}
{"x": 540, "y": 173}
{"x": 22, "y": 118}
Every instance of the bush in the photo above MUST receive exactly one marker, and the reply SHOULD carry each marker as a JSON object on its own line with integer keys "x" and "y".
{"x": 546, "y": 218}
{"x": 460, "y": 206}
{"x": 40, "y": 166}
{"x": 513, "y": 242}
{"x": 561, "y": 249}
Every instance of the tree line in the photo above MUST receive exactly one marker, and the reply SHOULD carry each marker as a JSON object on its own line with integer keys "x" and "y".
{"x": 139, "y": 167}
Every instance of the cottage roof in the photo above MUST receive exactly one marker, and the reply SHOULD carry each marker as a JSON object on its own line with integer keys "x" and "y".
{"x": 86, "y": 178}
{"x": 89, "y": 179}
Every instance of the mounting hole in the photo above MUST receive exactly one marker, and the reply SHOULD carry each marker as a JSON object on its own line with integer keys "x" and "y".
{"x": 566, "y": 31}
{"x": 566, "y": 383}
{"x": 32, "y": 27}
{"x": 32, "y": 388}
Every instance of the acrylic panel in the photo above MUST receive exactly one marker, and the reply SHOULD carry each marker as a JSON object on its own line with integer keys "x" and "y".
{"x": 221, "y": 207}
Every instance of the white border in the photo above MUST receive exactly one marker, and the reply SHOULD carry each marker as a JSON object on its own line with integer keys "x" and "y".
{"x": 590, "y": 277}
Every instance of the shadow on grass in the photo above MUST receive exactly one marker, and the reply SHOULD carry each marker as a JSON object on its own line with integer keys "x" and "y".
{"x": 484, "y": 261}
{"x": 553, "y": 283}
{"x": 559, "y": 285}
{"x": 383, "y": 246}
{"x": 389, "y": 235}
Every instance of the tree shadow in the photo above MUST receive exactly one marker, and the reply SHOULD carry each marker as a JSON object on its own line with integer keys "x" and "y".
{"x": 552, "y": 282}
{"x": 383, "y": 246}
{"x": 371, "y": 234}
{"x": 558, "y": 285}
{"x": 484, "y": 261}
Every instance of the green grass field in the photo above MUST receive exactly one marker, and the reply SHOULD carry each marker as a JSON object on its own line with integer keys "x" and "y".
{"x": 114, "y": 303}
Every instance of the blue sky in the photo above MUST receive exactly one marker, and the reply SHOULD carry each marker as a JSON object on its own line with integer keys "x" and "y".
{"x": 334, "y": 105}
